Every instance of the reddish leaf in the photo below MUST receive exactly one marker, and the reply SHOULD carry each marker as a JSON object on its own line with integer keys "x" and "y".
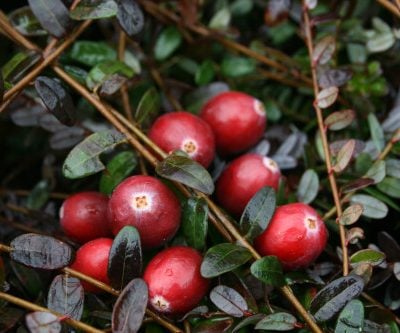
{"x": 323, "y": 50}
{"x": 344, "y": 156}
{"x": 339, "y": 119}
{"x": 351, "y": 214}
{"x": 327, "y": 97}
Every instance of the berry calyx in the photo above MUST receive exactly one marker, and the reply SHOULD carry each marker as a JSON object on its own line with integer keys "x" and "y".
{"x": 83, "y": 216}
{"x": 174, "y": 280}
{"x": 92, "y": 259}
{"x": 147, "y": 204}
{"x": 238, "y": 121}
{"x": 296, "y": 234}
{"x": 187, "y": 132}
{"x": 243, "y": 178}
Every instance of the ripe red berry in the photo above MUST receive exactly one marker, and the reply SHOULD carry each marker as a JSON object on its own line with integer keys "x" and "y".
{"x": 92, "y": 260}
{"x": 238, "y": 121}
{"x": 147, "y": 204}
{"x": 174, "y": 280}
{"x": 83, "y": 216}
{"x": 296, "y": 235}
{"x": 187, "y": 132}
{"x": 243, "y": 178}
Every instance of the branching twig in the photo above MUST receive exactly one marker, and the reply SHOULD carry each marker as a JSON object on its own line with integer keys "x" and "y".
{"x": 389, "y": 6}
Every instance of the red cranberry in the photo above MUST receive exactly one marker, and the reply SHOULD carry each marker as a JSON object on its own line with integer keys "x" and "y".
{"x": 243, "y": 178}
{"x": 174, "y": 280}
{"x": 83, "y": 216}
{"x": 92, "y": 260}
{"x": 237, "y": 119}
{"x": 187, "y": 132}
{"x": 296, "y": 235}
{"x": 147, "y": 204}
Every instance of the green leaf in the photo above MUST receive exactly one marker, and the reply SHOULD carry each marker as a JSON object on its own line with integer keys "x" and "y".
{"x": 334, "y": 297}
{"x": 351, "y": 214}
{"x": 94, "y": 9}
{"x": 234, "y": 66}
{"x": 25, "y": 22}
{"x": 268, "y": 270}
{"x": 258, "y": 212}
{"x": 148, "y": 107}
{"x": 368, "y": 256}
{"x": 390, "y": 186}
{"x": 105, "y": 70}
{"x": 351, "y": 319}
{"x": 205, "y": 73}
{"x": 186, "y": 171}
{"x": 117, "y": 170}
{"x": 308, "y": 186}
{"x": 15, "y": 68}
{"x": 372, "y": 207}
{"x": 376, "y": 132}
{"x": 221, "y": 19}
{"x": 83, "y": 160}
{"x": 278, "y": 321}
{"x": 344, "y": 156}
{"x": 167, "y": 42}
{"x": 393, "y": 168}
{"x": 377, "y": 171}
{"x": 92, "y": 53}
{"x": 38, "y": 196}
{"x": 195, "y": 222}
{"x": 223, "y": 258}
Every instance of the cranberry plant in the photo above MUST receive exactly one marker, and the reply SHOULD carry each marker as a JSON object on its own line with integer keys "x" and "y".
{"x": 307, "y": 90}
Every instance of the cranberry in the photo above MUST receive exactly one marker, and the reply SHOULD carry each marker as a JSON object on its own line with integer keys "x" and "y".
{"x": 237, "y": 119}
{"x": 147, "y": 204}
{"x": 92, "y": 260}
{"x": 243, "y": 178}
{"x": 187, "y": 132}
{"x": 296, "y": 235}
{"x": 174, "y": 280}
{"x": 83, "y": 216}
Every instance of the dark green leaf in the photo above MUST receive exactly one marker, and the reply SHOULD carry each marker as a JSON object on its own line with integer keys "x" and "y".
{"x": 105, "y": 70}
{"x": 56, "y": 99}
{"x": 237, "y": 66}
{"x": 92, "y": 53}
{"x": 39, "y": 195}
{"x": 195, "y": 222}
{"x": 125, "y": 260}
{"x": 117, "y": 170}
{"x": 66, "y": 296}
{"x": 129, "y": 309}
{"x": 42, "y": 322}
{"x": 372, "y": 207}
{"x": 94, "y": 9}
{"x": 308, "y": 186}
{"x": 229, "y": 301}
{"x": 205, "y": 73}
{"x": 77, "y": 73}
{"x": 258, "y": 212}
{"x": 390, "y": 186}
{"x": 351, "y": 319}
{"x": 252, "y": 320}
{"x": 148, "y": 107}
{"x": 167, "y": 42}
{"x": 334, "y": 296}
{"x": 214, "y": 325}
{"x": 84, "y": 159}
{"x": 130, "y": 16}
{"x": 279, "y": 321}
{"x": 223, "y": 258}
{"x": 186, "y": 171}
{"x": 52, "y": 15}
{"x": 376, "y": 132}
{"x": 39, "y": 251}
{"x": 25, "y": 22}
{"x": 268, "y": 270}
{"x": 369, "y": 256}
{"x": 18, "y": 65}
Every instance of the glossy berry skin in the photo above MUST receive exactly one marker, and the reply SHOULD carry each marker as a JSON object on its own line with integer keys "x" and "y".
{"x": 83, "y": 216}
{"x": 238, "y": 121}
{"x": 147, "y": 204}
{"x": 92, "y": 259}
{"x": 296, "y": 235}
{"x": 243, "y": 178}
{"x": 187, "y": 132}
{"x": 174, "y": 280}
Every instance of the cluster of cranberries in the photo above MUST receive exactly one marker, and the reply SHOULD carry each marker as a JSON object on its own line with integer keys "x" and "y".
{"x": 230, "y": 123}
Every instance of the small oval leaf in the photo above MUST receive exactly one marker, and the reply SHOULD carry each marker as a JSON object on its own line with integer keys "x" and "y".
{"x": 195, "y": 222}
{"x": 326, "y": 97}
{"x": 323, "y": 50}
{"x": 167, "y": 42}
{"x": 258, "y": 212}
{"x": 229, "y": 300}
{"x": 351, "y": 214}
{"x": 339, "y": 119}
{"x": 42, "y": 322}
{"x": 94, "y": 9}
{"x": 390, "y": 186}
{"x": 125, "y": 260}
{"x": 223, "y": 258}
{"x": 334, "y": 296}
{"x": 252, "y": 320}
{"x": 351, "y": 319}
{"x": 279, "y": 321}
{"x": 344, "y": 156}
{"x": 40, "y": 251}
{"x": 186, "y": 171}
{"x": 368, "y": 256}
{"x": 372, "y": 207}
{"x": 130, "y": 17}
{"x": 129, "y": 309}
{"x": 66, "y": 296}
{"x": 308, "y": 186}
{"x": 268, "y": 270}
